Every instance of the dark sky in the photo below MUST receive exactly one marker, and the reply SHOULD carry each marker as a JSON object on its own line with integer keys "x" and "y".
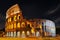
{"x": 43, "y": 9}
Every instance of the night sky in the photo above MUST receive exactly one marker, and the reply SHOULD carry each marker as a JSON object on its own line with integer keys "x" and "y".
{"x": 43, "y": 9}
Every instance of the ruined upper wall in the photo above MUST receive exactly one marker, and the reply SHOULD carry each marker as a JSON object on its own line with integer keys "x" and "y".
{"x": 13, "y": 10}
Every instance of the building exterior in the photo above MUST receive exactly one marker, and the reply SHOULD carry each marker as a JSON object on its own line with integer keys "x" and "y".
{"x": 17, "y": 26}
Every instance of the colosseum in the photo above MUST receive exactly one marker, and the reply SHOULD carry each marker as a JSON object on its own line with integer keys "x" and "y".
{"x": 17, "y": 26}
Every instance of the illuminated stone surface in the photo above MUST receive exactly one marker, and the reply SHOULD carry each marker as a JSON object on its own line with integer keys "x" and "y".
{"x": 15, "y": 23}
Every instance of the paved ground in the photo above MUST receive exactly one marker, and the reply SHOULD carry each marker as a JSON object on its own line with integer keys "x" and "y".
{"x": 33, "y": 38}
